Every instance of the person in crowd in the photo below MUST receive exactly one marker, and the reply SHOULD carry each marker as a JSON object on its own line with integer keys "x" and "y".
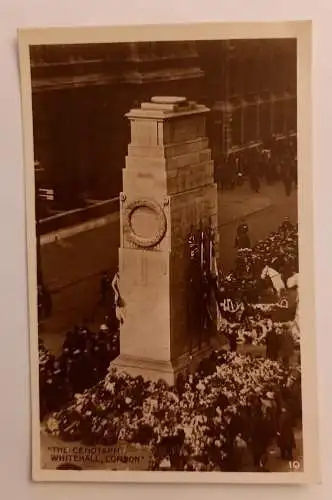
{"x": 261, "y": 437}
{"x": 286, "y": 438}
{"x": 241, "y": 452}
{"x": 232, "y": 340}
{"x": 267, "y": 165}
{"x": 286, "y": 175}
{"x": 286, "y": 346}
{"x": 286, "y": 226}
{"x": 76, "y": 371}
{"x": 229, "y": 173}
{"x": 206, "y": 319}
{"x": 272, "y": 344}
{"x": 111, "y": 320}
{"x": 294, "y": 170}
{"x": 53, "y": 379}
{"x": 45, "y": 304}
{"x": 42, "y": 381}
{"x": 105, "y": 287}
{"x": 40, "y": 302}
{"x": 254, "y": 170}
{"x": 69, "y": 344}
{"x": 103, "y": 352}
{"x": 59, "y": 385}
{"x": 180, "y": 383}
{"x": 242, "y": 239}
{"x": 115, "y": 344}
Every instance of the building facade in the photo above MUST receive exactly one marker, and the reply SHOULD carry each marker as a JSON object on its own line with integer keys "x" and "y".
{"x": 80, "y": 97}
{"x": 252, "y": 89}
{"x": 81, "y": 94}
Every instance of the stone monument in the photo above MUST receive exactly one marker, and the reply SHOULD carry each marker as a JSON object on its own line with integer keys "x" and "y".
{"x": 168, "y": 188}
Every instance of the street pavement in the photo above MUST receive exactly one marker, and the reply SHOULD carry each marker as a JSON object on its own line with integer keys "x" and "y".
{"x": 263, "y": 212}
{"x": 72, "y": 266}
{"x": 276, "y": 464}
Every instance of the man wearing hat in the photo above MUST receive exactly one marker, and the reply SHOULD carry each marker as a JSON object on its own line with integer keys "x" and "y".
{"x": 287, "y": 345}
{"x": 242, "y": 239}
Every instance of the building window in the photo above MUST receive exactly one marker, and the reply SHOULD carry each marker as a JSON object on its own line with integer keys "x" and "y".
{"x": 279, "y": 73}
{"x": 236, "y": 127}
{"x": 292, "y": 116}
{"x": 230, "y": 75}
{"x": 279, "y": 117}
{"x": 235, "y": 77}
{"x": 249, "y": 75}
{"x": 145, "y": 50}
{"x": 250, "y": 124}
{"x": 264, "y": 120}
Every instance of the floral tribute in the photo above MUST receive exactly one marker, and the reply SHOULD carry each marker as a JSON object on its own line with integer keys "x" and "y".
{"x": 254, "y": 331}
{"x": 194, "y": 425}
{"x": 233, "y": 401}
{"x": 264, "y": 310}
{"x": 280, "y": 251}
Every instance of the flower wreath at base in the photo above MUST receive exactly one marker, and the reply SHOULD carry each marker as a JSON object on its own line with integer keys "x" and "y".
{"x": 273, "y": 306}
{"x": 193, "y": 421}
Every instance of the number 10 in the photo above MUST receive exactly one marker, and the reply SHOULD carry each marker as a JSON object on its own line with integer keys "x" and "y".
{"x": 294, "y": 465}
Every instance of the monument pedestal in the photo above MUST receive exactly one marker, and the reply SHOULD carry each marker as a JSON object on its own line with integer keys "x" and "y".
{"x": 153, "y": 369}
{"x": 168, "y": 188}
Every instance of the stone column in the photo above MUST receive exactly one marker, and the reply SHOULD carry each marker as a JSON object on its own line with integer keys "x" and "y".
{"x": 258, "y": 129}
{"x": 272, "y": 113}
{"x": 227, "y": 127}
{"x": 243, "y": 108}
{"x": 168, "y": 187}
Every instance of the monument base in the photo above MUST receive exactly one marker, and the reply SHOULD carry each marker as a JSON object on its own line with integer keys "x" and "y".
{"x": 152, "y": 369}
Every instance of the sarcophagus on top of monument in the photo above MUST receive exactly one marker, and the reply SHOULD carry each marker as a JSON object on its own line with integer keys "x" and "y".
{"x": 168, "y": 189}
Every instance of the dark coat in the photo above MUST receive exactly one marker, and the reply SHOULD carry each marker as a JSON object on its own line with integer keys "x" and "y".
{"x": 272, "y": 344}
{"x": 287, "y": 345}
{"x": 286, "y": 437}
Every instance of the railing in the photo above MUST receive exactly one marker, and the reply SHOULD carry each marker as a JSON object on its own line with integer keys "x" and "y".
{"x": 78, "y": 216}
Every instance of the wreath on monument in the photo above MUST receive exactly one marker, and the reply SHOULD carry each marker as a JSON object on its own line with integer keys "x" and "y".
{"x": 158, "y": 211}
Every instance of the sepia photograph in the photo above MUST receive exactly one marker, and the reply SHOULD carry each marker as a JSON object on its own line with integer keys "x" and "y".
{"x": 168, "y": 200}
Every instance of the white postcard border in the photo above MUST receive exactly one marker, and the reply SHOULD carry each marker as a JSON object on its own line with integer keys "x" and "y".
{"x": 300, "y": 30}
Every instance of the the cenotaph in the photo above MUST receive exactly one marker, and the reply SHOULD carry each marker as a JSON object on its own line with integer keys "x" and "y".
{"x": 168, "y": 188}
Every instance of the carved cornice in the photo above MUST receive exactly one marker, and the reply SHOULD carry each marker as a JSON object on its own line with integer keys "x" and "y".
{"x": 163, "y": 75}
{"x": 140, "y": 63}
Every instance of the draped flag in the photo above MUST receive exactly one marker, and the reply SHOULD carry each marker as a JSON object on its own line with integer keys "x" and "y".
{"x": 222, "y": 311}
{"x": 119, "y": 302}
{"x": 213, "y": 264}
{"x": 214, "y": 312}
{"x": 202, "y": 253}
{"x": 194, "y": 247}
{"x": 231, "y": 306}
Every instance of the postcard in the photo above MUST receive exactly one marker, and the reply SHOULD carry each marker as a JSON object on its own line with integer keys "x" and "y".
{"x": 168, "y": 175}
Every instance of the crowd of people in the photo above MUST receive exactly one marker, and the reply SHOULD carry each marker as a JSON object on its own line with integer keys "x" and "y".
{"x": 44, "y": 301}
{"x": 272, "y": 162}
{"x": 279, "y": 338}
{"x": 228, "y": 414}
{"x": 84, "y": 360}
{"x": 279, "y": 250}
{"x": 266, "y": 317}
{"x": 224, "y": 417}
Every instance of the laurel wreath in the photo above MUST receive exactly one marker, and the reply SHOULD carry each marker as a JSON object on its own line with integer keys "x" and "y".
{"x": 158, "y": 235}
